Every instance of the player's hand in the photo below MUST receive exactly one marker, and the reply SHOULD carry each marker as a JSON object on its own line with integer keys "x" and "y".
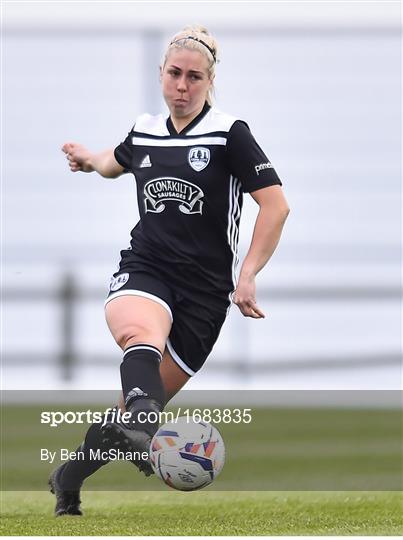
{"x": 78, "y": 157}
{"x": 244, "y": 298}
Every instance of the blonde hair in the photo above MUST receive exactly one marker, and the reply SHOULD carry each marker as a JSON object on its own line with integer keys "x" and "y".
{"x": 196, "y": 37}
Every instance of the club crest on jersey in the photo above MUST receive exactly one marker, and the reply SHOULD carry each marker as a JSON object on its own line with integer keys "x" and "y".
{"x": 118, "y": 281}
{"x": 159, "y": 190}
{"x": 199, "y": 158}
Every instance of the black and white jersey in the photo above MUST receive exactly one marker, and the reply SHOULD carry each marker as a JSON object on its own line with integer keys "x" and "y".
{"x": 189, "y": 190}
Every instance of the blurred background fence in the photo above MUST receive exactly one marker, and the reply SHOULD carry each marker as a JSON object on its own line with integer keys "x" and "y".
{"x": 319, "y": 85}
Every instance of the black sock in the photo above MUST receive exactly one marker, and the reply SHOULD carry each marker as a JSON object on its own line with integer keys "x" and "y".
{"x": 142, "y": 386}
{"x": 74, "y": 472}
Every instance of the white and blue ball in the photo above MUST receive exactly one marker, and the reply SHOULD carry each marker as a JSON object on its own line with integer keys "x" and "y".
{"x": 187, "y": 455}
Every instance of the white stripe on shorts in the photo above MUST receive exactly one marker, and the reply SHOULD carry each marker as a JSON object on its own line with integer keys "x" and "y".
{"x": 180, "y": 362}
{"x": 133, "y": 292}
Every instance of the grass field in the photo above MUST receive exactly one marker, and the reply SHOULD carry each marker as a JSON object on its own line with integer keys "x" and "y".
{"x": 288, "y": 472}
{"x": 208, "y": 513}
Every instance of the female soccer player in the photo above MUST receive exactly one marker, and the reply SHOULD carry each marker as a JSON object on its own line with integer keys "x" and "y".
{"x": 175, "y": 283}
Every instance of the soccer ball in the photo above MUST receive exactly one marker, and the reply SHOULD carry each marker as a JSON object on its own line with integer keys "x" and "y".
{"x": 187, "y": 455}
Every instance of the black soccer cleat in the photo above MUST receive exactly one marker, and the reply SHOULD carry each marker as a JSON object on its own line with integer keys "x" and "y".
{"x": 128, "y": 440}
{"x": 67, "y": 501}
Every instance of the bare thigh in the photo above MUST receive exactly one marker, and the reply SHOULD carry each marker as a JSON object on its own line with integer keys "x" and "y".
{"x": 134, "y": 319}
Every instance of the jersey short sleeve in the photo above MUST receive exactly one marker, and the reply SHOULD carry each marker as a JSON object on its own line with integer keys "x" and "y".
{"x": 247, "y": 160}
{"x": 123, "y": 152}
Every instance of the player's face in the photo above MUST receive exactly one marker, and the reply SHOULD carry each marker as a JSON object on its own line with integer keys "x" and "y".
{"x": 185, "y": 82}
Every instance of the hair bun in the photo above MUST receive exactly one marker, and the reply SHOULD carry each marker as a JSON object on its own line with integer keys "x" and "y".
{"x": 197, "y": 29}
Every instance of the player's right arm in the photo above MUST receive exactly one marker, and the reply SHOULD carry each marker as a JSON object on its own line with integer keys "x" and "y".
{"x": 81, "y": 159}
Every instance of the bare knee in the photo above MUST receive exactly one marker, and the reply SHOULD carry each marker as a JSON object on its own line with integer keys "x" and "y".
{"x": 133, "y": 320}
{"x": 131, "y": 334}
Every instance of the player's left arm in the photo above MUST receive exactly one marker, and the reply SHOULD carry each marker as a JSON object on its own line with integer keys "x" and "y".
{"x": 273, "y": 212}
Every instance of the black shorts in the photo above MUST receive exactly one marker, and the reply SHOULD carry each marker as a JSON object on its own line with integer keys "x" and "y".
{"x": 196, "y": 322}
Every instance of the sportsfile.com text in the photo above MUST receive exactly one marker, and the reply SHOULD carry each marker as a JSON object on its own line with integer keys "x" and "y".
{"x": 216, "y": 416}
